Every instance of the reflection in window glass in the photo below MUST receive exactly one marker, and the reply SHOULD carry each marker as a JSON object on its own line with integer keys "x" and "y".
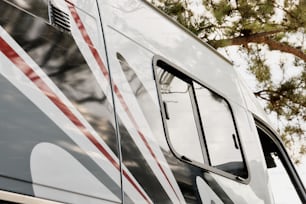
{"x": 181, "y": 124}
{"x": 36, "y": 7}
{"x": 220, "y": 134}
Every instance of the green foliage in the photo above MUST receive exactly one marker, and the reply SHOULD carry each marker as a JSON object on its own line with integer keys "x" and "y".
{"x": 176, "y": 8}
{"x": 287, "y": 99}
{"x": 296, "y": 18}
{"x": 221, "y": 10}
{"x": 260, "y": 70}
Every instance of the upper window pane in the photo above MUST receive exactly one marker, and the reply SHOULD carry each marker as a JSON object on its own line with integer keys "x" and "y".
{"x": 181, "y": 123}
{"x": 220, "y": 134}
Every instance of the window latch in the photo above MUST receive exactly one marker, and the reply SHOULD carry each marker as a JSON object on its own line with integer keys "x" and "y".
{"x": 235, "y": 141}
{"x": 166, "y": 110}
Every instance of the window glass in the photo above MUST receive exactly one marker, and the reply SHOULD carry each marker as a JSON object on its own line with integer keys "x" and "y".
{"x": 182, "y": 128}
{"x": 220, "y": 134}
{"x": 282, "y": 187}
{"x": 199, "y": 123}
{"x": 36, "y": 7}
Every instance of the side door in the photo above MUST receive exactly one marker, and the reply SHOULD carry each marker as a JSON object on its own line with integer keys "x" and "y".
{"x": 146, "y": 173}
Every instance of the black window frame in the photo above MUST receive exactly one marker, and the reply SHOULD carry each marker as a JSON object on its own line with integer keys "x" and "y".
{"x": 160, "y": 62}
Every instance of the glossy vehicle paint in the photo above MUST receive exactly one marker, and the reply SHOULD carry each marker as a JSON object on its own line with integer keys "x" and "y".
{"x": 82, "y": 119}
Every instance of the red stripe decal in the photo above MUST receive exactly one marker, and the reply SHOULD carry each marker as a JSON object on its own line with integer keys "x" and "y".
{"x": 103, "y": 69}
{"x": 9, "y": 52}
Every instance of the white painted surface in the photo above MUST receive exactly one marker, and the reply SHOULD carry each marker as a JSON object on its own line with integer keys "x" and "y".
{"x": 53, "y": 166}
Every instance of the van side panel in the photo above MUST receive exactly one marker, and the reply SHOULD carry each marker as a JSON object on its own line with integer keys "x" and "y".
{"x": 58, "y": 137}
{"x": 80, "y": 111}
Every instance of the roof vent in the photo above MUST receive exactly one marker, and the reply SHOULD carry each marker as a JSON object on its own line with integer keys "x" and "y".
{"x": 59, "y": 18}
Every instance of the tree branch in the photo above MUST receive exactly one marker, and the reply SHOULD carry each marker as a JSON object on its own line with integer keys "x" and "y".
{"x": 275, "y": 45}
{"x": 260, "y": 38}
{"x": 241, "y": 40}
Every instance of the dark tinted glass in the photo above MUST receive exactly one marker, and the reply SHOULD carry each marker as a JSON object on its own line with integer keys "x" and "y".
{"x": 35, "y": 7}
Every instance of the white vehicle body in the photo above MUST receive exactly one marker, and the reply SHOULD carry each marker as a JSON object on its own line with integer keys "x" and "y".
{"x": 88, "y": 110}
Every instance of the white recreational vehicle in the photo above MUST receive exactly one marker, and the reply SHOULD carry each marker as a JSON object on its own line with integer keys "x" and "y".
{"x": 109, "y": 101}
